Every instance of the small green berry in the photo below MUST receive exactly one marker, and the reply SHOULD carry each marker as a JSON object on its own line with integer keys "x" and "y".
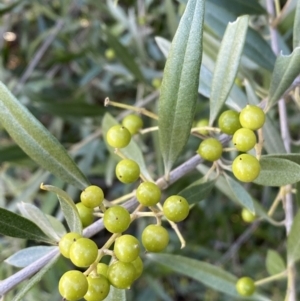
{"x": 118, "y": 136}
{"x": 176, "y": 208}
{"x": 229, "y": 122}
{"x": 210, "y": 149}
{"x": 245, "y": 286}
{"x": 133, "y": 123}
{"x": 138, "y": 265}
{"x": 142, "y": 20}
{"x": 246, "y": 168}
{"x": 252, "y": 117}
{"x": 73, "y": 285}
{"x": 110, "y": 54}
{"x": 248, "y": 216}
{"x": 102, "y": 269}
{"x": 116, "y": 219}
{"x": 156, "y": 83}
{"x": 66, "y": 241}
{"x": 148, "y": 194}
{"x": 155, "y": 238}
{"x": 85, "y": 214}
{"x": 126, "y": 248}
{"x": 238, "y": 82}
{"x": 98, "y": 288}
{"x": 83, "y": 252}
{"x": 202, "y": 123}
{"x": 121, "y": 274}
{"x": 92, "y": 196}
{"x": 244, "y": 139}
{"x": 127, "y": 171}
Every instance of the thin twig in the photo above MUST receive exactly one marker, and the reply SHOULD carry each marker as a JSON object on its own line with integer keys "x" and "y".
{"x": 9, "y": 283}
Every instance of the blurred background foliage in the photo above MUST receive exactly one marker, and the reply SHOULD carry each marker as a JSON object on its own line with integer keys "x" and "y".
{"x": 61, "y": 58}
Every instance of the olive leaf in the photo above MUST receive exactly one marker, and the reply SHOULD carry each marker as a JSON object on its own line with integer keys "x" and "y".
{"x": 274, "y": 263}
{"x": 28, "y": 256}
{"x": 204, "y": 272}
{"x": 198, "y": 190}
{"x": 36, "y": 141}
{"x": 277, "y": 172}
{"x": 179, "y": 89}
{"x": 296, "y": 32}
{"x": 14, "y": 225}
{"x": 68, "y": 208}
{"x": 227, "y": 64}
{"x": 287, "y": 68}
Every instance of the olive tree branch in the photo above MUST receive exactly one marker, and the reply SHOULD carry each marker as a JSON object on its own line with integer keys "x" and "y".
{"x": 179, "y": 172}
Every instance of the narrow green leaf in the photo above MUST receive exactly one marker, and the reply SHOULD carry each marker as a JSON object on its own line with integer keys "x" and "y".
{"x": 296, "y": 32}
{"x": 256, "y": 48}
{"x": 197, "y": 191}
{"x": 241, "y": 194}
{"x": 293, "y": 243}
{"x": 27, "y": 256}
{"x": 287, "y": 68}
{"x": 39, "y": 218}
{"x": 237, "y": 98}
{"x": 227, "y": 64}
{"x": 274, "y": 263}
{"x": 36, "y": 141}
{"x": 164, "y": 45}
{"x": 277, "y": 172}
{"x": 57, "y": 225}
{"x": 241, "y": 7}
{"x": 68, "y": 208}
{"x": 179, "y": 90}
{"x": 124, "y": 55}
{"x": 14, "y": 225}
{"x": 251, "y": 95}
{"x": 36, "y": 278}
{"x": 208, "y": 274}
{"x": 294, "y": 157}
{"x": 272, "y": 139}
{"x": 116, "y": 294}
{"x": 132, "y": 151}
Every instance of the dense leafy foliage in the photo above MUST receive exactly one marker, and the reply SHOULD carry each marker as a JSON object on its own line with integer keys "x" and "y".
{"x": 70, "y": 74}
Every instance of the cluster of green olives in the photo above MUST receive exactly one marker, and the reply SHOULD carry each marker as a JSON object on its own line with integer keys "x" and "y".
{"x": 126, "y": 264}
{"x": 241, "y": 126}
{"x": 74, "y": 285}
